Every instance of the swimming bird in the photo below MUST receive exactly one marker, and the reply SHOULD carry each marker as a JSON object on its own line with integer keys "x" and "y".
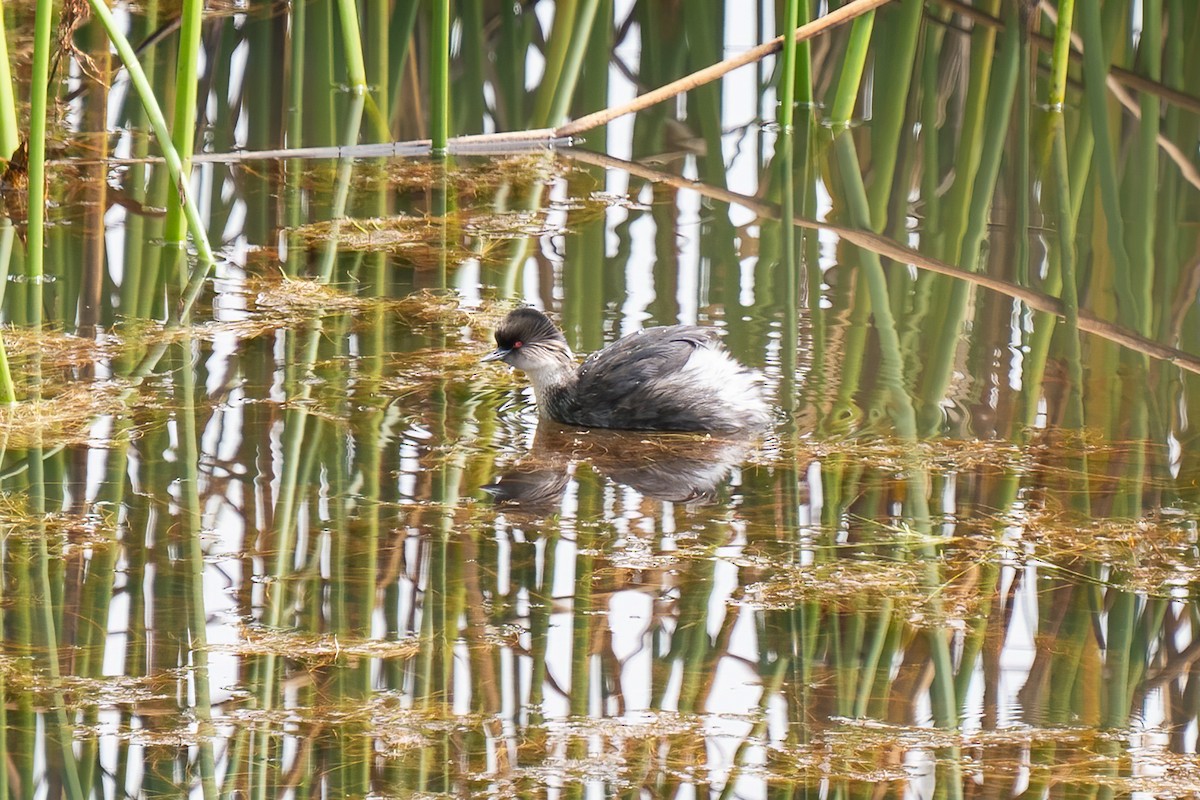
{"x": 672, "y": 378}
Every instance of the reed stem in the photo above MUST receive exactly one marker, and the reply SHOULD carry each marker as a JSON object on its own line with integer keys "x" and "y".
{"x": 356, "y": 65}
{"x": 38, "y": 108}
{"x": 1060, "y": 55}
{"x": 10, "y": 140}
{"x": 853, "y": 65}
{"x": 183, "y": 125}
{"x": 157, "y": 121}
{"x": 787, "y": 73}
{"x": 439, "y": 77}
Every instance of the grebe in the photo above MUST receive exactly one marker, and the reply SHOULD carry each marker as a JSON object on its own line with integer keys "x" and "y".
{"x": 674, "y": 378}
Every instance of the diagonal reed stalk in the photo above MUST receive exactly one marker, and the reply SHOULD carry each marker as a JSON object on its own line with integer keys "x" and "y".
{"x": 174, "y": 164}
{"x": 850, "y": 77}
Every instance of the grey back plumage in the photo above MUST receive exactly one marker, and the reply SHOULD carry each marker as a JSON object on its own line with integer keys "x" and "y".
{"x": 635, "y": 383}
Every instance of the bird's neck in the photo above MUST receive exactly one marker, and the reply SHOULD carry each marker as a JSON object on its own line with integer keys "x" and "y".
{"x": 554, "y": 382}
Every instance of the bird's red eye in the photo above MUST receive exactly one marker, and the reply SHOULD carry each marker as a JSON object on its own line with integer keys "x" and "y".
{"x": 517, "y": 344}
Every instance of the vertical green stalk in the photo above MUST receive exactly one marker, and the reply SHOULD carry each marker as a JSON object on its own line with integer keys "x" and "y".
{"x": 183, "y": 127}
{"x": 855, "y": 61}
{"x": 940, "y": 361}
{"x": 557, "y": 44}
{"x": 970, "y": 141}
{"x": 510, "y": 65}
{"x": 1143, "y": 166}
{"x": 898, "y": 49}
{"x": 787, "y": 75}
{"x": 294, "y": 167}
{"x": 439, "y": 77}
{"x": 38, "y": 108}
{"x": 400, "y": 28}
{"x": 470, "y": 107}
{"x": 791, "y": 264}
{"x": 1022, "y": 191}
{"x": 136, "y": 250}
{"x": 345, "y": 172}
{"x": 159, "y": 123}
{"x": 193, "y": 573}
{"x": 1095, "y": 70}
{"x": 1060, "y": 56}
{"x": 803, "y": 66}
{"x": 9, "y": 139}
{"x": 564, "y": 82}
{"x": 942, "y": 693}
{"x": 356, "y": 65}
{"x": 47, "y": 627}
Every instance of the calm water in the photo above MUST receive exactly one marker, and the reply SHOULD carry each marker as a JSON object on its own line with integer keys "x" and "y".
{"x": 304, "y": 544}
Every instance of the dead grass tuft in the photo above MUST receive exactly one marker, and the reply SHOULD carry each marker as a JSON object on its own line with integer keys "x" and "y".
{"x": 64, "y": 419}
{"x": 314, "y": 649}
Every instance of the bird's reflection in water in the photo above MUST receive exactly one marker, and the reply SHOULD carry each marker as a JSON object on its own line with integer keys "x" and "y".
{"x": 672, "y": 467}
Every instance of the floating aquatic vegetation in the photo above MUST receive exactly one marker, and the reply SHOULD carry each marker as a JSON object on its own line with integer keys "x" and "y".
{"x": 77, "y": 532}
{"x": 314, "y": 649}
{"x": 468, "y": 177}
{"x": 869, "y": 750}
{"x": 58, "y": 350}
{"x": 66, "y": 418}
{"x": 844, "y": 583}
{"x": 1155, "y": 554}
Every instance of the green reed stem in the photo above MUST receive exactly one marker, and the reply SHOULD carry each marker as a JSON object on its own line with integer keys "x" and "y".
{"x": 803, "y": 65}
{"x": 341, "y": 195}
{"x": 183, "y": 125}
{"x": 47, "y": 625}
{"x": 997, "y": 111}
{"x": 470, "y": 107}
{"x": 898, "y": 49}
{"x": 970, "y": 141}
{"x": 38, "y": 108}
{"x": 1060, "y": 57}
{"x": 565, "y": 81}
{"x": 439, "y": 77}
{"x": 1095, "y": 70}
{"x": 136, "y": 225}
{"x": 400, "y": 28}
{"x": 872, "y": 656}
{"x": 1021, "y": 176}
{"x": 193, "y": 570}
{"x": 1143, "y": 170}
{"x": 791, "y": 264}
{"x": 294, "y": 167}
{"x": 510, "y": 65}
{"x": 356, "y": 65}
{"x": 942, "y": 692}
{"x": 846, "y": 96}
{"x": 555, "y": 53}
{"x": 787, "y": 75}
{"x": 10, "y": 139}
{"x": 174, "y": 164}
